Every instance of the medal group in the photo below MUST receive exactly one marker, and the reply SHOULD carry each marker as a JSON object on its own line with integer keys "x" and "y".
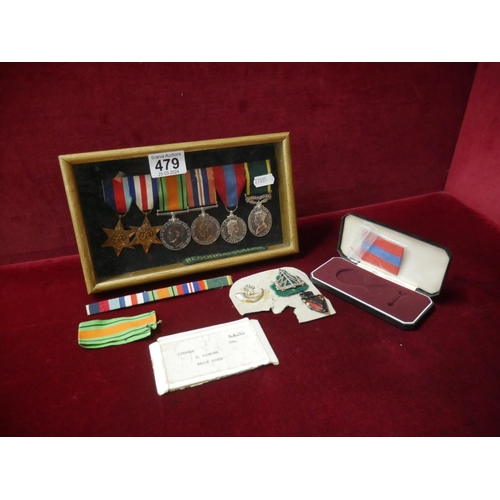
{"x": 196, "y": 190}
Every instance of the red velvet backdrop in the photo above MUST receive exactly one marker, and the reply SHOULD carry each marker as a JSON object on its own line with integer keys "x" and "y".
{"x": 360, "y": 133}
{"x": 475, "y": 174}
{"x": 350, "y": 374}
{"x": 366, "y": 135}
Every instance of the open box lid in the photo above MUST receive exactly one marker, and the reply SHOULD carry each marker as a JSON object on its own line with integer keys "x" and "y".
{"x": 418, "y": 264}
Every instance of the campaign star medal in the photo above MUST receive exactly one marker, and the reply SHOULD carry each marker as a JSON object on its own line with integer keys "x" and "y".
{"x": 146, "y": 235}
{"x": 144, "y": 192}
{"x": 118, "y": 238}
{"x": 174, "y": 234}
{"x": 229, "y": 183}
{"x": 258, "y": 191}
{"x": 117, "y": 197}
{"x": 314, "y": 302}
{"x": 201, "y": 195}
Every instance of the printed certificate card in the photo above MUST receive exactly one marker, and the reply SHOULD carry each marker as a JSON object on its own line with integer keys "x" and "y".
{"x": 191, "y": 358}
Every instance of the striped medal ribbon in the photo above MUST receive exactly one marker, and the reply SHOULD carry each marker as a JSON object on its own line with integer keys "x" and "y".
{"x": 229, "y": 183}
{"x": 260, "y": 219}
{"x": 144, "y": 193}
{"x": 159, "y": 294}
{"x": 117, "y": 197}
{"x": 172, "y": 197}
{"x": 200, "y": 186}
{"x": 96, "y": 334}
{"x": 383, "y": 253}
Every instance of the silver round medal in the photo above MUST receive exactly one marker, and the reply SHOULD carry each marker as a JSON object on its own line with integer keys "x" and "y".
{"x": 260, "y": 220}
{"x": 233, "y": 229}
{"x": 205, "y": 229}
{"x": 175, "y": 234}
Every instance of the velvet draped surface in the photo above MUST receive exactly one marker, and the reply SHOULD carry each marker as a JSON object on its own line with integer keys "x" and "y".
{"x": 350, "y": 374}
{"x": 396, "y": 143}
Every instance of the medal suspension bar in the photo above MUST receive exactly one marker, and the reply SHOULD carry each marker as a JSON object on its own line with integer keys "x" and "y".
{"x": 185, "y": 211}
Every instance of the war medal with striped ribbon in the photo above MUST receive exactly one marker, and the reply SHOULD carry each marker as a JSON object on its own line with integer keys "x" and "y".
{"x": 200, "y": 186}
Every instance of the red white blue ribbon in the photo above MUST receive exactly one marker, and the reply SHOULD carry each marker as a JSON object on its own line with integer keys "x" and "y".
{"x": 143, "y": 190}
{"x": 117, "y": 194}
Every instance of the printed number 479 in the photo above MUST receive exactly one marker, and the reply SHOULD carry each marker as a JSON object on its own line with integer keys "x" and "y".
{"x": 174, "y": 161}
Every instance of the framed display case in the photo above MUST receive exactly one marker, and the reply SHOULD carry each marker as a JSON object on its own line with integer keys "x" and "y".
{"x": 154, "y": 213}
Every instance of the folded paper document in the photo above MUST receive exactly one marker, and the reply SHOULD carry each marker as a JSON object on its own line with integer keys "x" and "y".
{"x": 197, "y": 356}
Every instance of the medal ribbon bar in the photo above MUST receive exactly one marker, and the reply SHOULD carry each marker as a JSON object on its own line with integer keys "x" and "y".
{"x": 160, "y": 294}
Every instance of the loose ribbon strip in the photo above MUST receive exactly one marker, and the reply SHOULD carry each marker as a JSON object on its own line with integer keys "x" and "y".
{"x": 229, "y": 183}
{"x": 200, "y": 187}
{"x": 383, "y": 253}
{"x": 160, "y": 294}
{"x": 96, "y": 334}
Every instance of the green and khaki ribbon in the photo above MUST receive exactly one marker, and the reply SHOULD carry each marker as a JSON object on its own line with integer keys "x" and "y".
{"x": 257, "y": 169}
{"x": 172, "y": 193}
{"x": 109, "y": 332}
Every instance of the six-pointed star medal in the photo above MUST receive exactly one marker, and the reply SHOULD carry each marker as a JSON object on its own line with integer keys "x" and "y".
{"x": 118, "y": 238}
{"x": 146, "y": 235}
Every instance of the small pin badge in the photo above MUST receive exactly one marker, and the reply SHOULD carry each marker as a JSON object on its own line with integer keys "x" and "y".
{"x": 315, "y": 302}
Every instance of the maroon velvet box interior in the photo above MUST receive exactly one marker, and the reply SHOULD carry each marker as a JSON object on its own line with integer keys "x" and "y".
{"x": 356, "y": 284}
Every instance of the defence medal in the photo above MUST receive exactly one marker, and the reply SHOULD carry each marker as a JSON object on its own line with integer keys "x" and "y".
{"x": 200, "y": 187}
{"x": 260, "y": 219}
{"x": 144, "y": 192}
{"x": 117, "y": 197}
{"x": 229, "y": 183}
{"x": 175, "y": 234}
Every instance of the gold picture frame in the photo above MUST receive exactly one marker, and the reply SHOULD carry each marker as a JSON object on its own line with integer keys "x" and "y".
{"x": 104, "y": 269}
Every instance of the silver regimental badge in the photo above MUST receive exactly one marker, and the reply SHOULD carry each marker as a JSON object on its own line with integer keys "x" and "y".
{"x": 175, "y": 234}
{"x": 250, "y": 294}
{"x": 260, "y": 220}
{"x": 205, "y": 229}
{"x": 233, "y": 229}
